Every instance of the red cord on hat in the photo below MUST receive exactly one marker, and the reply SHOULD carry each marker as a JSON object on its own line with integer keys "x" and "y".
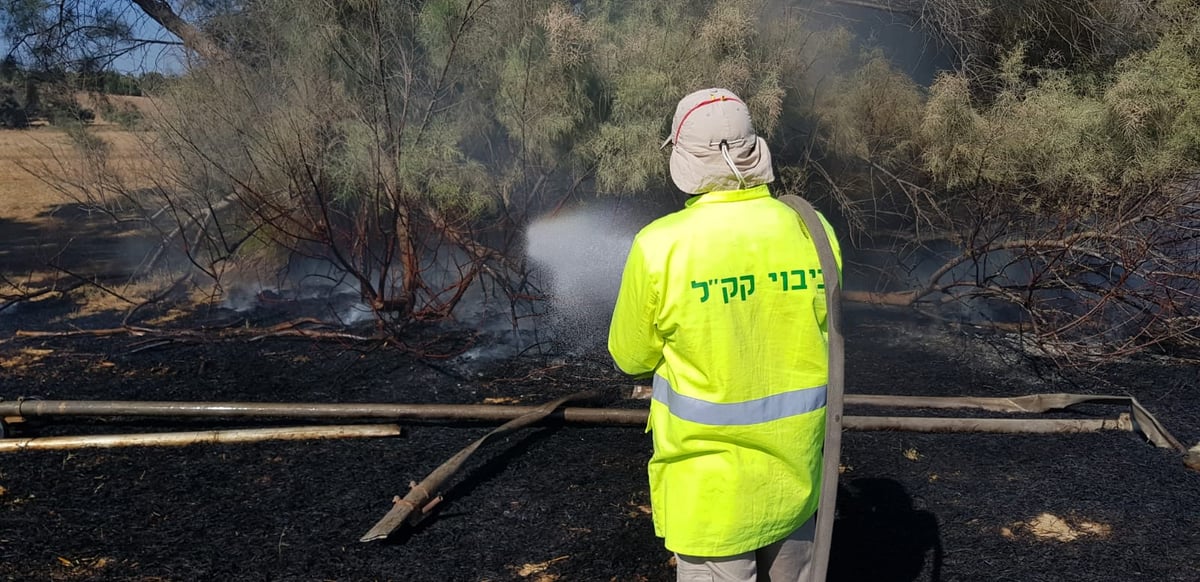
{"x": 698, "y": 106}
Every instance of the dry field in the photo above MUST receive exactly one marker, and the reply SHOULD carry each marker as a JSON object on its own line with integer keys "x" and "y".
{"x": 37, "y": 164}
{"x": 51, "y": 236}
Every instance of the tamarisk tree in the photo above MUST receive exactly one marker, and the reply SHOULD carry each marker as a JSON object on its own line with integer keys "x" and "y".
{"x": 1047, "y": 183}
{"x": 1062, "y": 205}
{"x": 406, "y": 144}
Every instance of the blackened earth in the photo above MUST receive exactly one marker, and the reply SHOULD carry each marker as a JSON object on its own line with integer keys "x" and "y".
{"x": 565, "y": 502}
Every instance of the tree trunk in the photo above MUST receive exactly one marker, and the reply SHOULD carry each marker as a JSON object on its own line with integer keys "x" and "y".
{"x": 192, "y": 37}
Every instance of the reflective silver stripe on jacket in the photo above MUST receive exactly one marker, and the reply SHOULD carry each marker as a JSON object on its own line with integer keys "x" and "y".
{"x": 764, "y": 409}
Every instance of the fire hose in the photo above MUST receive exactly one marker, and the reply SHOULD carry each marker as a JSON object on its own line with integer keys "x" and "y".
{"x": 831, "y": 453}
{"x": 423, "y": 497}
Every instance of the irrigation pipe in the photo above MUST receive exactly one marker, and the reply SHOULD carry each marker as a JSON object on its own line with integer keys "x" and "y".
{"x": 179, "y": 439}
{"x": 1143, "y": 421}
{"x": 989, "y": 425}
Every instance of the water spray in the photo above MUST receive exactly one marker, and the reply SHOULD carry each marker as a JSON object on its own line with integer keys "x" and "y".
{"x": 580, "y": 256}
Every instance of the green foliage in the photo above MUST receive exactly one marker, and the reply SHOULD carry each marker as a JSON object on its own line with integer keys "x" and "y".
{"x": 648, "y": 55}
{"x": 1075, "y": 35}
{"x": 543, "y": 99}
{"x": 469, "y": 103}
{"x": 152, "y": 82}
{"x": 1046, "y": 136}
{"x": 1049, "y": 134}
{"x": 109, "y": 83}
{"x": 953, "y": 133}
{"x": 123, "y": 114}
{"x": 10, "y": 69}
{"x": 12, "y": 113}
{"x": 627, "y": 157}
{"x": 872, "y": 112}
{"x": 64, "y": 110}
{"x": 1153, "y": 107}
{"x": 430, "y": 98}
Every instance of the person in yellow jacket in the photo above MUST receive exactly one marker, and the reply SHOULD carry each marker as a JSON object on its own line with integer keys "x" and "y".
{"x": 723, "y": 303}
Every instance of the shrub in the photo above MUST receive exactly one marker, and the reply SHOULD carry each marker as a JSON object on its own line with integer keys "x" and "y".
{"x": 61, "y": 110}
{"x": 125, "y": 115}
{"x": 12, "y": 113}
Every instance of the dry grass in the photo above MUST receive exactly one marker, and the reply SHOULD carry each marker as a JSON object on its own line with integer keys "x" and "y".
{"x": 31, "y": 158}
{"x": 1048, "y": 526}
{"x": 83, "y": 568}
{"x": 24, "y": 359}
{"x": 538, "y": 572}
{"x": 42, "y": 169}
{"x": 94, "y": 300}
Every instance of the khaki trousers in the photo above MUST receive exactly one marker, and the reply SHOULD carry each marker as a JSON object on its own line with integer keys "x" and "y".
{"x": 787, "y": 560}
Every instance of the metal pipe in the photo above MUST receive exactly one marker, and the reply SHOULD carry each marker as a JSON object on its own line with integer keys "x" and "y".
{"x": 477, "y": 412}
{"x": 493, "y": 412}
{"x": 179, "y": 439}
{"x": 485, "y": 412}
{"x": 988, "y": 425}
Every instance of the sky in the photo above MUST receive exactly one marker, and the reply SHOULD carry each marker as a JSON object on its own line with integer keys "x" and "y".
{"x": 159, "y": 58}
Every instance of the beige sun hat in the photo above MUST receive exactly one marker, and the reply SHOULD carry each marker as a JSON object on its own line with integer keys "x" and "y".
{"x": 704, "y": 121}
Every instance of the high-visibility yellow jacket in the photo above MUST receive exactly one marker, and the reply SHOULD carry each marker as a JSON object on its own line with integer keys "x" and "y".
{"x": 723, "y": 301}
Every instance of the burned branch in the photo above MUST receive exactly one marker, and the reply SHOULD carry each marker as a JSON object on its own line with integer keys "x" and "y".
{"x": 1083, "y": 288}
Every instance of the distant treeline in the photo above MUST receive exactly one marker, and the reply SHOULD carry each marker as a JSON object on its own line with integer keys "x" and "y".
{"x": 28, "y": 96}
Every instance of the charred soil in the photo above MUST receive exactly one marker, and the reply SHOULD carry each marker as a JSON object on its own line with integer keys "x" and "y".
{"x": 565, "y": 502}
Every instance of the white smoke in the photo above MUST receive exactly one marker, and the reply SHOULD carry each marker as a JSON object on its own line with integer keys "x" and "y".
{"x": 302, "y": 280}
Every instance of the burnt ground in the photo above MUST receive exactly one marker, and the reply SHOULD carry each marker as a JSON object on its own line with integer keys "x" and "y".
{"x": 563, "y": 502}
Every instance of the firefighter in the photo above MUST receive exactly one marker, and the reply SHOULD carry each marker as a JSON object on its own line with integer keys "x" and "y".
{"x": 722, "y": 303}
